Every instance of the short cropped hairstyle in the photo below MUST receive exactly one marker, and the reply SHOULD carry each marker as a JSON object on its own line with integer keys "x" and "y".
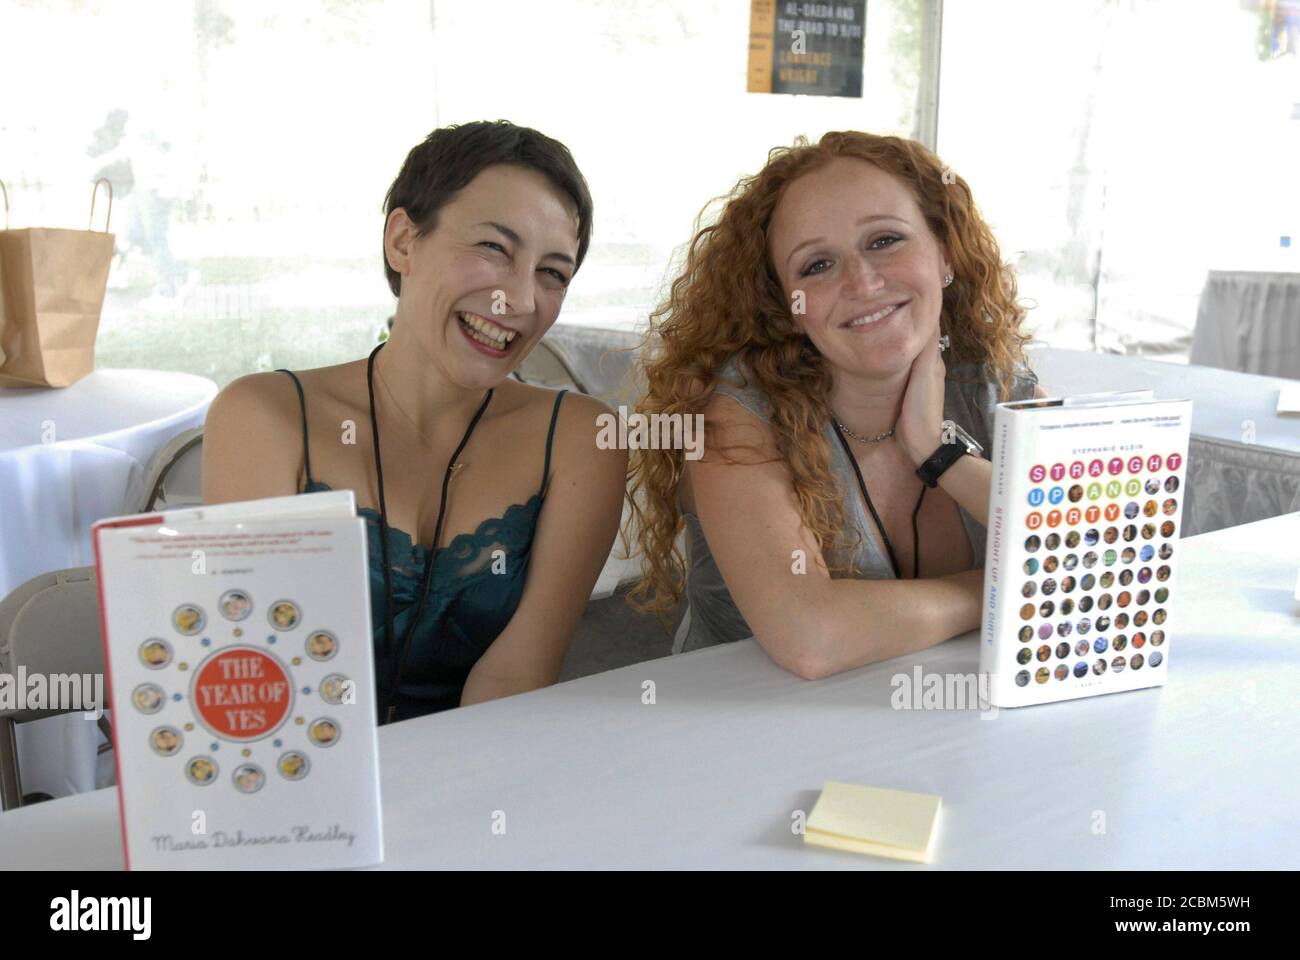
{"x": 452, "y": 156}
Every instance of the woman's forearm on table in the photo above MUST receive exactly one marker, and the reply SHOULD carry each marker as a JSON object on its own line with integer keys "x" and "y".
{"x": 873, "y": 620}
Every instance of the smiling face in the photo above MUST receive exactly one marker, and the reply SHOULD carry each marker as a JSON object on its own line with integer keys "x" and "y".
{"x": 482, "y": 287}
{"x": 851, "y": 237}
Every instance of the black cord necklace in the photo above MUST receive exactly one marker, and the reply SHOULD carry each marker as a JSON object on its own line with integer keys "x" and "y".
{"x": 889, "y": 547}
{"x": 426, "y": 582}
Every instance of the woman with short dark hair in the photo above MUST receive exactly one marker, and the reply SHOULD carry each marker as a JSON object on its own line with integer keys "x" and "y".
{"x": 490, "y": 510}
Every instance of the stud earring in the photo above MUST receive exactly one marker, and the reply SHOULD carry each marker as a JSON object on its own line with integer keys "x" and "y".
{"x": 947, "y": 280}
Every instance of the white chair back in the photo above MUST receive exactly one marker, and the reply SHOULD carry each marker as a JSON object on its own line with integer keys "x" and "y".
{"x": 174, "y": 477}
{"x": 49, "y": 626}
{"x": 545, "y": 367}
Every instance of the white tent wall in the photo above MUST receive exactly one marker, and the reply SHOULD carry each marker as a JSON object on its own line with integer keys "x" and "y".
{"x": 251, "y": 146}
{"x": 1017, "y": 120}
{"x": 651, "y": 98}
{"x": 1119, "y": 148}
{"x": 1202, "y": 166}
{"x": 1122, "y": 148}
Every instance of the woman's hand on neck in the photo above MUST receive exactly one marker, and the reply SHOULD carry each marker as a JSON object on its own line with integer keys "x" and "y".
{"x": 909, "y": 402}
{"x": 920, "y": 420}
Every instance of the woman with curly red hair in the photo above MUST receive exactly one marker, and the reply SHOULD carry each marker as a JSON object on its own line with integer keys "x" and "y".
{"x": 836, "y": 515}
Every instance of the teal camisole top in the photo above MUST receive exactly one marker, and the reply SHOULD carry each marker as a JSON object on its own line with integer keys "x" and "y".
{"x": 478, "y": 579}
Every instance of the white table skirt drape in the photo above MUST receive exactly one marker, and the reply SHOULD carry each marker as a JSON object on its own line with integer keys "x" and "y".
{"x": 590, "y": 775}
{"x": 1249, "y": 321}
{"x": 1244, "y": 460}
{"x": 70, "y": 457}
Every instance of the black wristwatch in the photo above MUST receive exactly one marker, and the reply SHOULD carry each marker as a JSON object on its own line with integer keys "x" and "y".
{"x": 956, "y": 444}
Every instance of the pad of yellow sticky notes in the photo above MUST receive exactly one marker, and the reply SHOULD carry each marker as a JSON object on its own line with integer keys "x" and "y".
{"x": 873, "y": 820}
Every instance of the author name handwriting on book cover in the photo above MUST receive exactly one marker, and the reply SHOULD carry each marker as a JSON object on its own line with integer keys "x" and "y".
{"x": 334, "y": 833}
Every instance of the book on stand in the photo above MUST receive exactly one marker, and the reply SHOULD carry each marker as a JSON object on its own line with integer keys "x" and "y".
{"x": 1085, "y": 514}
{"x": 238, "y": 644}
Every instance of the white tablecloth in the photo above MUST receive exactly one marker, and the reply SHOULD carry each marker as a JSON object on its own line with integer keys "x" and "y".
{"x": 68, "y": 458}
{"x": 1198, "y": 774}
{"x": 1249, "y": 320}
{"x": 1244, "y": 462}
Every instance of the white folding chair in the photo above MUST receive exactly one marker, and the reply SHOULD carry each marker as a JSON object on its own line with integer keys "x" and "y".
{"x": 49, "y": 626}
{"x": 546, "y": 367}
{"x": 174, "y": 477}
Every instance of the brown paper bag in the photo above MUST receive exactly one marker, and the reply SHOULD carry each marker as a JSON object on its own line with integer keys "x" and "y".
{"x": 52, "y": 285}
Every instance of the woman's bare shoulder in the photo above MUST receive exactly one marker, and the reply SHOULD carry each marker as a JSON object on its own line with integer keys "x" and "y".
{"x": 578, "y": 419}
{"x": 738, "y": 431}
{"x": 343, "y": 382}
{"x": 253, "y": 420}
{"x": 255, "y": 400}
{"x": 514, "y": 396}
{"x": 263, "y": 411}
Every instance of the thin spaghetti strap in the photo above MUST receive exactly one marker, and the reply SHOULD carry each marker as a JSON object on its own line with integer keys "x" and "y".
{"x": 555, "y": 415}
{"x": 302, "y": 403}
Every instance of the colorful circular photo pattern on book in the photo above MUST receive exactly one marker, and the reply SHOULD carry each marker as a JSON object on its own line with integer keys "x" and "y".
{"x": 237, "y": 707}
{"x": 1098, "y": 602}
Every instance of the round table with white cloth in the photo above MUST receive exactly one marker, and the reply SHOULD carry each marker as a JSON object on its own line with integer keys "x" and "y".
{"x": 68, "y": 457}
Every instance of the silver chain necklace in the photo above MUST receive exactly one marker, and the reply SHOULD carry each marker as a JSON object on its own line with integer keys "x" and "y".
{"x": 884, "y": 436}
